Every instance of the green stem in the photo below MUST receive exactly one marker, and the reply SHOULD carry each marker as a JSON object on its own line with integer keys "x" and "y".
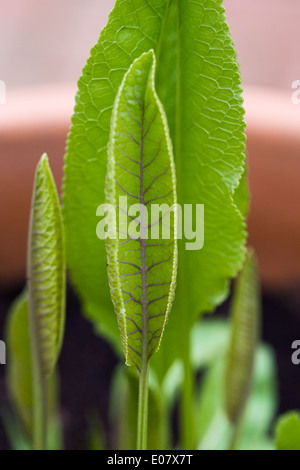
{"x": 39, "y": 407}
{"x": 235, "y": 434}
{"x": 142, "y": 431}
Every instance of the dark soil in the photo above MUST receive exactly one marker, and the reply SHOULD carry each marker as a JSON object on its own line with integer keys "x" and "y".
{"x": 87, "y": 363}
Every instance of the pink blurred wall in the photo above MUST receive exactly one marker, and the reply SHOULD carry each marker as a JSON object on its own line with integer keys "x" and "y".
{"x": 48, "y": 41}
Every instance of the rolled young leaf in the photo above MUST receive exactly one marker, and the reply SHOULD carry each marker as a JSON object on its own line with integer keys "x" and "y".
{"x": 46, "y": 291}
{"x": 46, "y": 269}
{"x": 245, "y": 322}
{"x": 141, "y": 249}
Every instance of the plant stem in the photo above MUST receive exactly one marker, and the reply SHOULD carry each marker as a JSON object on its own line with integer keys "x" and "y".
{"x": 39, "y": 407}
{"x": 235, "y": 434}
{"x": 142, "y": 430}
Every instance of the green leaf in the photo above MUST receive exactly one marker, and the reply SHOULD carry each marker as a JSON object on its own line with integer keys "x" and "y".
{"x": 288, "y": 431}
{"x": 133, "y": 28}
{"x": 214, "y": 429}
{"x": 96, "y": 436}
{"x": 46, "y": 269}
{"x": 263, "y": 402}
{"x": 209, "y": 338}
{"x": 141, "y": 263}
{"x": 245, "y": 323}
{"x": 199, "y": 85}
{"x": 19, "y": 367}
{"x": 205, "y": 115}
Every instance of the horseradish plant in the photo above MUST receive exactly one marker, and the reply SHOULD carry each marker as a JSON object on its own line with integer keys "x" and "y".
{"x": 158, "y": 118}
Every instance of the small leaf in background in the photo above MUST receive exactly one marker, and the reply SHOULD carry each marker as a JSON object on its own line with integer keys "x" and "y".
{"x": 245, "y": 324}
{"x": 287, "y": 434}
{"x": 172, "y": 384}
{"x": 209, "y": 337}
{"x": 96, "y": 438}
{"x": 214, "y": 430}
{"x": 46, "y": 269}
{"x": 142, "y": 264}
{"x": 19, "y": 377}
{"x": 263, "y": 402}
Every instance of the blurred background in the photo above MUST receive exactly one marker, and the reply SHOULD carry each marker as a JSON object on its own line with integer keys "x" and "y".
{"x": 43, "y": 47}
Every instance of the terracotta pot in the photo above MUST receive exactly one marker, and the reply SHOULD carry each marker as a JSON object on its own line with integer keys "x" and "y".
{"x": 273, "y": 124}
{"x": 37, "y": 121}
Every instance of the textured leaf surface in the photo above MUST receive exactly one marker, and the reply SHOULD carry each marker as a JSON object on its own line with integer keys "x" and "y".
{"x": 199, "y": 85}
{"x": 245, "y": 319}
{"x": 19, "y": 370}
{"x": 142, "y": 269}
{"x": 46, "y": 269}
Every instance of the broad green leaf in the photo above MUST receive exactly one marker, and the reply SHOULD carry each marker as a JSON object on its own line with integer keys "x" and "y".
{"x": 245, "y": 323}
{"x": 142, "y": 263}
{"x": 287, "y": 435}
{"x": 199, "y": 85}
{"x": 46, "y": 269}
{"x": 19, "y": 366}
{"x": 205, "y": 114}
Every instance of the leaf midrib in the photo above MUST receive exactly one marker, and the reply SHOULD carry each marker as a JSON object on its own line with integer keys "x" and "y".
{"x": 144, "y": 268}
